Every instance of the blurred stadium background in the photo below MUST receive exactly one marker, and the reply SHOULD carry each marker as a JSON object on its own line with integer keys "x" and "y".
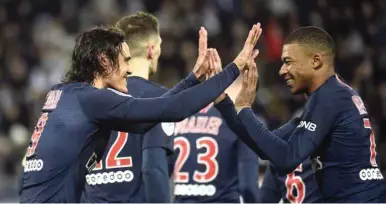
{"x": 36, "y": 38}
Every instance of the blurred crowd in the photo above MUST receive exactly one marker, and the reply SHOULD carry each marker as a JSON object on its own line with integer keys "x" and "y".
{"x": 37, "y": 36}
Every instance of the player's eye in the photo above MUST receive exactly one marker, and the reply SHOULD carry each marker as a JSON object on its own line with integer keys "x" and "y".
{"x": 287, "y": 63}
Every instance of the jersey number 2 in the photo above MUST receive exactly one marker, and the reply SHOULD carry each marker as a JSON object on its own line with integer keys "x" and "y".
{"x": 295, "y": 182}
{"x": 112, "y": 159}
{"x": 208, "y": 158}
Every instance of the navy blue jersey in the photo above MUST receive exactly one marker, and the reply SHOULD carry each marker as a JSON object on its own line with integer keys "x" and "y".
{"x": 76, "y": 121}
{"x": 207, "y": 154}
{"x": 117, "y": 177}
{"x": 335, "y": 132}
{"x": 299, "y": 186}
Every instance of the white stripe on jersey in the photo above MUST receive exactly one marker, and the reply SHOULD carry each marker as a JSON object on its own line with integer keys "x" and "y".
{"x": 241, "y": 199}
{"x": 119, "y": 93}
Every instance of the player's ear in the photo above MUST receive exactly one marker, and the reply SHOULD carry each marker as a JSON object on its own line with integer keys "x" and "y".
{"x": 317, "y": 61}
{"x": 104, "y": 61}
{"x": 150, "y": 52}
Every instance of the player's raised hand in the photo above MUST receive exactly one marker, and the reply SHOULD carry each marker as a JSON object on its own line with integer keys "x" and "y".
{"x": 248, "y": 91}
{"x": 215, "y": 65}
{"x": 201, "y": 68}
{"x": 246, "y": 53}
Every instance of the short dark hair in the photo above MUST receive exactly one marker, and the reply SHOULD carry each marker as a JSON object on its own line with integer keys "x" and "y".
{"x": 85, "y": 64}
{"x": 314, "y": 37}
{"x": 138, "y": 28}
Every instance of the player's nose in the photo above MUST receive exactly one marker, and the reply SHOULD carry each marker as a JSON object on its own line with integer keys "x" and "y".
{"x": 283, "y": 70}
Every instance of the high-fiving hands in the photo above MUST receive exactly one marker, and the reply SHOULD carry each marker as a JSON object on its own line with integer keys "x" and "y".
{"x": 201, "y": 68}
{"x": 247, "y": 94}
{"x": 246, "y": 53}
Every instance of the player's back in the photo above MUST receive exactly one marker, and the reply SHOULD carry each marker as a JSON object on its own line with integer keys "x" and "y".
{"x": 299, "y": 186}
{"x": 206, "y": 161}
{"x": 346, "y": 161}
{"x": 61, "y": 149}
{"x": 117, "y": 178}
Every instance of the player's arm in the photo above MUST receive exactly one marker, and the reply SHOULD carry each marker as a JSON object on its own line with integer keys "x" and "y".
{"x": 190, "y": 81}
{"x": 227, "y": 110}
{"x": 248, "y": 169}
{"x": 117, "y": 111}
{"x": 287, "y": 155}
{"x": 155, "y": 175}
{"x": 270, "y": 189}
{"x": 155, "y": 166}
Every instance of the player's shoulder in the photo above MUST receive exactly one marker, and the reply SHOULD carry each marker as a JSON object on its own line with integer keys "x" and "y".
{"x": 333, "y": 94}
{"x": 142, "y": 88}
{"x": 71, "y": 87}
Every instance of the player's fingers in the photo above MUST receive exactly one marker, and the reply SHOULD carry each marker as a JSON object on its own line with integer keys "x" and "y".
{"x": 203, "y": 42}
{"x": 255, "y": 54}
{"x": 218, "y": 61}
{"x": 251, "y": 77}
{"x": 211, "y": 59}
{"x": 254, "y": 68}
{"x": 250, "y": 37}
{"x": 245, "y": 78}
{"x": 257, "y": 35}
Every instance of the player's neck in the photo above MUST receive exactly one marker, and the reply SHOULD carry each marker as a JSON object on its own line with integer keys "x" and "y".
{"x": 319, "y": 80}
{"x": 140, "y": 67}
{"x": 98, "y": 83}
{"x": 234, "y": 89}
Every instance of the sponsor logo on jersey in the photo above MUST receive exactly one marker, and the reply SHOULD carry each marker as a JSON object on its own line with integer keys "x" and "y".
{"x": 194, "y": 190}
{"x": 370, "y": 174}
{"x": 110, "y": 177}
{"x": 33, "y": 165}
{"x": 307, "y": 125}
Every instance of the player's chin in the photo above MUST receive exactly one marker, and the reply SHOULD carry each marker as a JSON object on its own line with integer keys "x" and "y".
{"x": 293, "y": 90}
{"x": 121, "y": 87}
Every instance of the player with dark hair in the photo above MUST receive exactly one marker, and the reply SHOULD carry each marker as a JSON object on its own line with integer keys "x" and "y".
{"x": 136, "y": 159}
{"x": 77, "y": 118}
{"x": 298, "y": 186}
{"x": 210, "y": 163}
{"x": 334, "y": 131}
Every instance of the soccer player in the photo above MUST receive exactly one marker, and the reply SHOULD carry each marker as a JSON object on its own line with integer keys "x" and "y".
{"x": 77, "y": 118}
{"x": 334, "y": 131}
{"x": 131, "y": 159}
{"x": 299, "y": 186}
{"x": 210, "y": 163}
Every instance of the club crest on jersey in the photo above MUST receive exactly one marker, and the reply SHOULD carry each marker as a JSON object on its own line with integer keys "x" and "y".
{"x": 316, "y": 164}
{"x": 359, "y": 104}
{"x": 92, "y": 162}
